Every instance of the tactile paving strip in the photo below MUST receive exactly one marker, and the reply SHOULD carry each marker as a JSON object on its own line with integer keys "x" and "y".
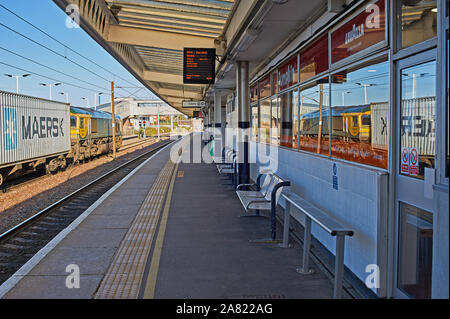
{"x": 124, "y": 276}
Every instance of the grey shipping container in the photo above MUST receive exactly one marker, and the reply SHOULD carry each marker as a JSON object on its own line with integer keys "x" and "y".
{"x": 32, "y": 128}
{"x": 417, "y": 124}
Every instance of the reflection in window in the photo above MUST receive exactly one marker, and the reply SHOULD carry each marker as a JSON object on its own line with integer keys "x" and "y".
{"x": 447, "y": 98}
{"x": 275, "y": 121}
{"x": 265, "y": 121}
{"x": 417, "y": 118}
{"x": 314, "y": 133}
{"x": 418, "y": 21}
{"x": 289, "y": 120}
{"x": 415, "y": 251}
{"x": 360, "y": 114}
{"x": 255, "y": 123}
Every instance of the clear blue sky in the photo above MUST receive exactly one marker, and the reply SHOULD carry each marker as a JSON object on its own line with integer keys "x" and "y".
{"x": 51, "y": 19}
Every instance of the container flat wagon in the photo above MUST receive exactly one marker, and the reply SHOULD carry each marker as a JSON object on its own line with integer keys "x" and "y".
{"x": 33, "y": 132}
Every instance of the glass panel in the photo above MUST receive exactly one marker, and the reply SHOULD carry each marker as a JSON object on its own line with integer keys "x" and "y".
{"x": 360, "y": 114}
{"x": 275, "y": 133}
{"x": 417, "y": 119}
{"x": 447, "y": 169}
{"x": 73, "y": 121}
{"x": 265, "y": 121}
{"x": 418, "y": 21}
{"x": 415, "y": 251}
{"x": 274, "y": 83}
{"x": 361, "y": 32}
{"x": 314, "y": 59}
{"x": 264, "y": 87}
{"x": 295, "y": 119}
{"x": 314, "y": 109}
{"x": 288, "y": 74}
{"x": 288, "y": 108}
{"x": 254, "y": 93}
{"x": 255, "y": 123}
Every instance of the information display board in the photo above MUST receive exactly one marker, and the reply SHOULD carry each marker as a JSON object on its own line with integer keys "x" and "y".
{"x": 199, "y": 66}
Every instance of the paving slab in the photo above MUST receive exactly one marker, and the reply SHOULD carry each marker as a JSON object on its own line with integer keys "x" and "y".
{"x": 92, "y": 244}
{"x": 207, "y": 251}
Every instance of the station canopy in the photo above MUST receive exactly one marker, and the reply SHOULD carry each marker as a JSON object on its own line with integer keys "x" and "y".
{"x": 148, "y": 37}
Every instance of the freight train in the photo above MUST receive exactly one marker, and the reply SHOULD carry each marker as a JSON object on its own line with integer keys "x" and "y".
{"x": 369, "y": 123}
{"x": 42, "y": 134}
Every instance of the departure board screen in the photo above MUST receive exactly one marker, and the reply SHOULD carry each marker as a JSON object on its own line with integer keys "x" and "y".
{"x": 199, "y": 66}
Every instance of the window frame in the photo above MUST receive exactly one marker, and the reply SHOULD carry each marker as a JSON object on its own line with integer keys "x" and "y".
{"x": 399, "y": 51}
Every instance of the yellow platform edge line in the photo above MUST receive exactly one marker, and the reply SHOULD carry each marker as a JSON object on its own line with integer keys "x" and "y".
{"x": 149, "y": 292}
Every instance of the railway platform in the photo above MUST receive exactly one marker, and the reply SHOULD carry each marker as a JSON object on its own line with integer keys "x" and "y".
{"x": 168, "y": 230}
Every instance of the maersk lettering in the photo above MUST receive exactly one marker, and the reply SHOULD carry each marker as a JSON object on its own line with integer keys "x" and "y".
{"x": 42, "y": 127}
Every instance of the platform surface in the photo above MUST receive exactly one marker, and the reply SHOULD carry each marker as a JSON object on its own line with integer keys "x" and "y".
{"x": 201, "y": 247}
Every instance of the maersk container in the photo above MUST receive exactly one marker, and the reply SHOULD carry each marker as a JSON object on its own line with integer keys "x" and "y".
{"x": 32, "y": 128}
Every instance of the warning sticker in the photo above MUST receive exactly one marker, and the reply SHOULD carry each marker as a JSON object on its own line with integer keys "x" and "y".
{"x": 414, "y": 161}
{"x": 405, "y": 160}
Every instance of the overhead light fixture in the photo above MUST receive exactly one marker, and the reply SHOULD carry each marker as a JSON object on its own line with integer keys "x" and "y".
{"x": 249, "y": 36}
{"x": 279, "y": 2}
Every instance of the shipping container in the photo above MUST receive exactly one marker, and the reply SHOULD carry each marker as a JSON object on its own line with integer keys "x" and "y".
{"x": 31, "y": 129}
{"x": 417, "y": 125}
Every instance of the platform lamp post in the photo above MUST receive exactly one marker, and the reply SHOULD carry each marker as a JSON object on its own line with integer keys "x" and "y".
{"x": 50, "y": 85}
{"x": 158, "y": 124}
{"x": 113, "y": 120}
{"x": 87, "y": 100}
{"x": 17, "y": 79}
{"x": 95, "y": 99}
{"x": 365, "y": 89}
{"x": 67, "y": 96}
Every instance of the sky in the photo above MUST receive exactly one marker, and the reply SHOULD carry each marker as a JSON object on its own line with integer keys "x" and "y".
{"x": 79, "y": 81}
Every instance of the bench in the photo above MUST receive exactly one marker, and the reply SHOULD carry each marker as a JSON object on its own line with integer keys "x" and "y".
{"x": 228, "y": 166}
{"x": 269, "y": 187}
{"x": 330, "y": 225}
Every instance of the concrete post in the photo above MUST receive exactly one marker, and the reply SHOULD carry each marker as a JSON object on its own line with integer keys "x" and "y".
{"x": 243, "y": 100}
{"x": 217, "y": 124}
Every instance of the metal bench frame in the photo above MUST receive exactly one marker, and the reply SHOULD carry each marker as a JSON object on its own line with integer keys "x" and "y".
{"x": 273, "y": 190}
{"x": 228, "y": 166}
{"x": 313, "y": 213}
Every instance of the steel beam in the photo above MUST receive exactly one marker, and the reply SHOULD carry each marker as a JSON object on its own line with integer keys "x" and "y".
{"x": 158, "y": 39}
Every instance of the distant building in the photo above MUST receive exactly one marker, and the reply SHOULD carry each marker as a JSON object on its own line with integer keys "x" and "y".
{"x": 136, "y": 112}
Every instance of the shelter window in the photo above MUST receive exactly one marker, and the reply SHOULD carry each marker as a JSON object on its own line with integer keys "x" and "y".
{"x": 314, "y": 110}
{"x": 360, "y": 114}
{"x": 275, "y": 120}
{"x": 255, "y": 122}
{"x": 289, "y": 119}
{"x": 314, "y": 59}
{"x": 265, "y": 121}
{"x": 418, "y": 21}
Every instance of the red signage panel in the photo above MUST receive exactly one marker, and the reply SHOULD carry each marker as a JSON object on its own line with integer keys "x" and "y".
{"x": 254, "y": 93}
{"x": 314, "y": 59}
{"x": 361, "y": 32}
{"x": 264, "y": 87}
{"x": 288, "y": 74}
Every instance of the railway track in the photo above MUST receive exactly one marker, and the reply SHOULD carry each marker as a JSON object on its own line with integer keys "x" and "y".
{"x": 40, "y": 174}
{"x": 22, "y": 242}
